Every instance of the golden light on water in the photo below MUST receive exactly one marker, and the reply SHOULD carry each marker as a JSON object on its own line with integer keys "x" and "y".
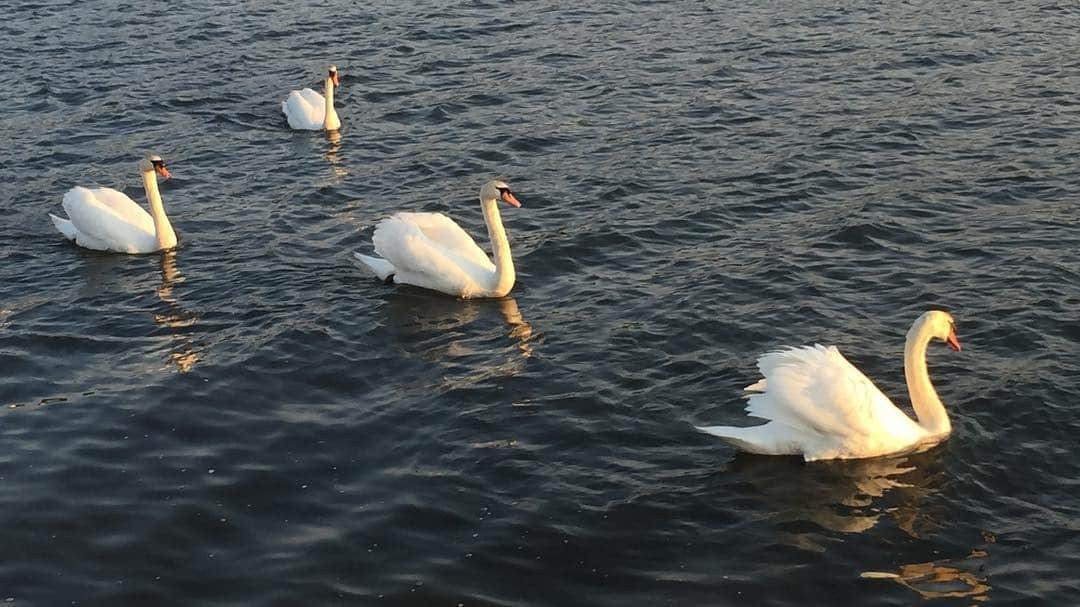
{"x": 331, "y": 155}
{"x": 944, "y": 578}
{"x": 184, "y": 355}
{"x": 520, "y": 331}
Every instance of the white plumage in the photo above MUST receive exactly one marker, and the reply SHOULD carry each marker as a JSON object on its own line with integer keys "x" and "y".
{"x": 105, "y": 219}
{"x": 308, "y": 110}
{"x": 820, "y": 406}
{"x": 429, "y": 250}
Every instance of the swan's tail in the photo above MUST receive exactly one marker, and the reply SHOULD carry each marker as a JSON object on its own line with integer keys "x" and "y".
{"x": 380, "y": 267}
{"x": 65, "y": 226}
{"x": 772, "y": 438}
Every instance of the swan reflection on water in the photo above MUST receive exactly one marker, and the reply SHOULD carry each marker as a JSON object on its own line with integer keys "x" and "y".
{"x": 847, "y": 496}
{"x": 448, "y": 331}
{"x": 945, "y": 578}
{"x": 521, "y": 331}
{"x": 183, "y": 354}
{"x": 104, "y": 272}
{"x": 331, "y": 155}
{"x": 855, "y": 496}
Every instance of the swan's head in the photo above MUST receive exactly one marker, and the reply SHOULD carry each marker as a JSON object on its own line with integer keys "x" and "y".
{"x": 498, "y": 190}
{"x": 332, "y": 75}
{"x": 154, "y": 163}
{"x": 943, "y": 327}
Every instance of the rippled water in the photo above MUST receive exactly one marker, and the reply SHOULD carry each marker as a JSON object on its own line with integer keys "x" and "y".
{"x": 252, "y": 420}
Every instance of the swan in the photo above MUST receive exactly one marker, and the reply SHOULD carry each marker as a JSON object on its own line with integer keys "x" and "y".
{"x": 820, "y": 406}
{"x": 429, "y": 250}
{"x": 311, "y": 111}
{"x": 104, "y": 219}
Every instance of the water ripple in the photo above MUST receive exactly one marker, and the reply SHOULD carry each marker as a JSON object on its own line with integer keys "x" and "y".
{"x": 252, "y": 420}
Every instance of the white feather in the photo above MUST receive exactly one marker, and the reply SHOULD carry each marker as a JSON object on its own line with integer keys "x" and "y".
{"x": 380, "y": 267}
{"x": 308, "y": 110}
{"x": 429, "y": 250}
{"x": 819, "y": 406}
{"x": 305, "y": 110}
{"x": 107, "y": 220}
{"x": 432, "y": 259}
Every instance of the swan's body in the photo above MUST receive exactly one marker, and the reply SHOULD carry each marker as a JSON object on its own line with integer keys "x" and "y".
{"x": 104, "y": 219}
{"x": 308, "y": 110}
{"x": 429, "y": 250}
{"x": 820, "y": 406}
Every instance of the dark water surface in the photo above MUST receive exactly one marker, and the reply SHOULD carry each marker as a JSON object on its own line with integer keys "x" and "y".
{"x": 253, "y": 421}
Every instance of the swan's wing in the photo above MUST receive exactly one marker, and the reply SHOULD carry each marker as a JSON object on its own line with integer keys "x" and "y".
{"x": 124, "y": 207}
{"x": 444, "y": 231}
{"x": 419, "y": 260}
{"x": 301, "y": 112}
{"x": 110, "y": 218}
{"x": 314, "y": 99}
{"x": 815, "y": 390}
{"x": 64, "y": 226}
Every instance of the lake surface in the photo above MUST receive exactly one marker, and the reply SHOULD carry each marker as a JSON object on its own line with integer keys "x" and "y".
{"x": 252, "y": 420}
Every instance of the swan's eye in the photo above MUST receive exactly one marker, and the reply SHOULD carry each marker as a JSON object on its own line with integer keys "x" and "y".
{"x": 503, "y": 191}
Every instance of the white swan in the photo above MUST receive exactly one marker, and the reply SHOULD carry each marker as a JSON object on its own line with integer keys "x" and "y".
{"x": 429, "y": 250}
{"x": 820, "y": 406}
{"x": 311, "y": 111}
{"x": 104, "y": 219}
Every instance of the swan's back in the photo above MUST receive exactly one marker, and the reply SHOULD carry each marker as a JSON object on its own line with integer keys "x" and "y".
{"x": 107, "y": 219}
{"x": 816, "y": 389}
{"x": 821, "y": 407}
{"x": 429, "y": 250}
{"x": 446, "y": 232}
{"x": 305, "y": 109}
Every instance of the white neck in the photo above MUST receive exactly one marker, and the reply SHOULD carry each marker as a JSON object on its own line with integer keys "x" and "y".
{"x": 331, "y": 122}
{"x": 924, "y": 399}
{"x": 500, "y": 248}
{"x": 166, "y": 237}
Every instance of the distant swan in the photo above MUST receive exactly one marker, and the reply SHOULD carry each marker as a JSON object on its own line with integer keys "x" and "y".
{"x": 104, "y": 219}
{"x": 311, "y": 111}
{"x": 429, "y": 250}
{"x": 820, "y": 406}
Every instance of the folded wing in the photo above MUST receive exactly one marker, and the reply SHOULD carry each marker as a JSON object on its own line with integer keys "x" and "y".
{"x": 434, "y": 253}
{"x": 818, "y": 392}
{"x": 304, "y": 109}
{"x": 444, "y": 231}
{"x": 108, "y": 217}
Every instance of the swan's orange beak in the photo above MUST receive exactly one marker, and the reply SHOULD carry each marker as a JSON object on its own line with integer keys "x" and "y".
{"x": 164, "y": 172}
{"x": 952, "y": 341}
{"x": 509, "y": 199}
{"x": 334, "y": 79}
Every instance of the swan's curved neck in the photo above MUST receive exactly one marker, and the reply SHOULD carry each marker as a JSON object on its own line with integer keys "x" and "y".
{"x": 500, "y": 248}
{"x": 166, "y": 237}
{"x": 331, "y": 121}
{"x": 924, "y": 399}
